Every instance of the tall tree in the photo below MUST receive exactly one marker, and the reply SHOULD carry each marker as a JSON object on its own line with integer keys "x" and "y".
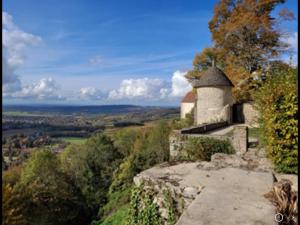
{"x": 246, "y": 30}
{"x": 246, "y": 37}
{"x": 91, "y": 168}
{"x": 47, "y": 194}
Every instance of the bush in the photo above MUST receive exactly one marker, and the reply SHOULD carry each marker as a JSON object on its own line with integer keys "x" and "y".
{"x": 12, "y": 176}
{"x": 124, "y": 139}
{"x": 143, "y": 209}
{"x": 117, "y": 218}
{"x": 46, "y": 194}
{"x": 277, "y": 103}
{"x": 202, "y": 148}
{"x": 188, "y": 121}
{"x": 90, "y": 167}
{"x": 150, "y": 147}
{"x": 115, "y": 201}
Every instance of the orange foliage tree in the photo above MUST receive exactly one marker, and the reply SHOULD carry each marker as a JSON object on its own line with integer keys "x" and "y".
{"x": 245, "y": 37}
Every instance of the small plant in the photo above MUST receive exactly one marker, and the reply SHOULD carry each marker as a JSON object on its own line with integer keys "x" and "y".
{"x": 169, "y": 204}
{"x": 202, "y": 148}
{"x": 142, "y": 208}
{"x": 188, "y": 121}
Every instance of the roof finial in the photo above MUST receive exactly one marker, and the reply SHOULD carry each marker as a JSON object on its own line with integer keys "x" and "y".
{"x": 213, "y": 63}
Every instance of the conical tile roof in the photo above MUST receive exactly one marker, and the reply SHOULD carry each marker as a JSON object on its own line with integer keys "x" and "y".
{"x": 211, "y": 78}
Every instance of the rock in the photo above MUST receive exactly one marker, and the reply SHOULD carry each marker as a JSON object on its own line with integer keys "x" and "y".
{"x": 190, "y": 192}
{"x": 221, "y": 160}
{"x": 137, "y": 180}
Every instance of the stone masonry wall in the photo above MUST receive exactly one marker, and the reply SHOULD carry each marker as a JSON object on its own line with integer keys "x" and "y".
{"x": 211, "y": 103}
{"x": 238, "y": 139}
{"x": 251, "y": 115}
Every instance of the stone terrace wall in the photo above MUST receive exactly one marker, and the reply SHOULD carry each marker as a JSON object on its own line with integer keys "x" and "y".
{"x": 238, "y": 139}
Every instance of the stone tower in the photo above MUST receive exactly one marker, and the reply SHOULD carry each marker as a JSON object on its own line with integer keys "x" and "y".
{"x": 214, "y": 98}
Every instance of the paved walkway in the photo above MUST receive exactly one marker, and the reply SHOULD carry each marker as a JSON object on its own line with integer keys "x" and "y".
{"x": 231, "y": 196}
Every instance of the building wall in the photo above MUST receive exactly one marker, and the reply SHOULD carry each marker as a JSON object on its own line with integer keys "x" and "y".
{"x": 186, "y": 107}
{"x": 251, "y": 115}
{"x": 213, "y": 104}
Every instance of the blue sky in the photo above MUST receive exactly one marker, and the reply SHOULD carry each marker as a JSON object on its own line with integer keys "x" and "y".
{"x": 105, "y": 52}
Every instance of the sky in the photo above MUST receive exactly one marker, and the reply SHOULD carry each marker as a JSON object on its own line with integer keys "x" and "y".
{"x": 96, "y": 52}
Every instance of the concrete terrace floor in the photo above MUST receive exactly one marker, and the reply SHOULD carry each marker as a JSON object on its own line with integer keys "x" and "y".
{"x": 232, "y": 189}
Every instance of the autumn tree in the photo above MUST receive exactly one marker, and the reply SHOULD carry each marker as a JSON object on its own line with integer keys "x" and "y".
{"x": 246, "y": 38}
{"x": 247, "y": 31}
{"x": 203, "y": 61}
{"x": 11, "y": 211}
{"x": 46, "y": 194}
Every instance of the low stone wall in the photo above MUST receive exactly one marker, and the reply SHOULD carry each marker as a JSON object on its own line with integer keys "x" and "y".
{"x": 238, "y": 139}
{"x": 251, "y": 115}
{"x": 204, "y": 128}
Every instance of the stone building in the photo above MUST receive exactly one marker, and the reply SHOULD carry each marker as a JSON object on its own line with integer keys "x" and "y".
{"x": 187, "y": 104}
{"x": 214, "y": 100}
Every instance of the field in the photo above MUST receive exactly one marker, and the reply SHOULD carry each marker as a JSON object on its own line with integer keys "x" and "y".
{"x": 74, "y": 140}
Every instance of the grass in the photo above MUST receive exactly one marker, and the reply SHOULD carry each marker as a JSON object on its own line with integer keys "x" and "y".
{"x": 116, "y": 200}
{"x": 118, "y": 218}
{"x": 254, "y": 132}
{"x": 74, "y": 140}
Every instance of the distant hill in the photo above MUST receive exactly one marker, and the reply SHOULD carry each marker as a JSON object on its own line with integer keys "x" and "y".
{"x": 80, "y": 110}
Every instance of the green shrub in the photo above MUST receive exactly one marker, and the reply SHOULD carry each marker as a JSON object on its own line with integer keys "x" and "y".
{"x": 188, "y": 121}
{"x": 116, "y": 200}
{"x": 124, "y": 140}
{"x": 143, "y": 210}
{"x": 117, "y": 218}
{"x": 90, "y": 167}
{"x": 150, "y": 147}
{"x": 46, "y": 194}
{"x": 202, "y": 148}
{"x": 277, "y": 103}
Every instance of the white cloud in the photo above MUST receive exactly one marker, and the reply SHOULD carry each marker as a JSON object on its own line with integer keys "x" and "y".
{"x": 291, "y": 56}
{"x": 180, "y": 85}
{"x": 152, "y": 89}
{"x": 292, "y": 40}
{"x": 45, "y": 89}
{"x": 14, "y": 43}
{"x": 144, "y": 88}
{"x": 92, "y": 93}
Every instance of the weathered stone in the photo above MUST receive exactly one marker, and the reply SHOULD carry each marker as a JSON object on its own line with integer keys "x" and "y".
{"x": 250, "y": 114}
{"x": 230, "y": 197}
{"x": 240, "y": 139}
{"x": 230, "y": 185}
{"x": 190, "y": 192}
